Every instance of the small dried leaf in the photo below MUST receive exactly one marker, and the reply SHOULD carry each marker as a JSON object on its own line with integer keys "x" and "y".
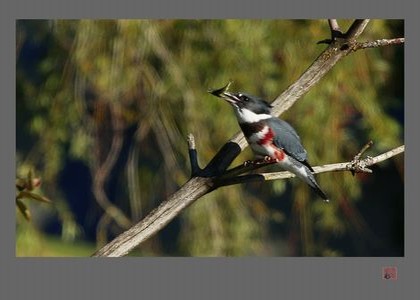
{"x": 23, "y": 209}
{"x": 30, "y": 195}
{"x": 20, "y": 184}
{"x": 36, "y": 182}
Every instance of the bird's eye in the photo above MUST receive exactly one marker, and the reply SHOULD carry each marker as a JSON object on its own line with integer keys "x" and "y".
{"x": 243, "y": 97}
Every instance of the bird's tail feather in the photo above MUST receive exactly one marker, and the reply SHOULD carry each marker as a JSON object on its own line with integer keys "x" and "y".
{"x": 318, "y": 190}
{"x": 314, "y": 185}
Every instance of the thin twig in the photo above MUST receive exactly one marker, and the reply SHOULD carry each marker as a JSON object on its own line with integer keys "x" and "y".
{"x": 377, "y": 43}
{"x": 346, "y": 166}
{"x": 335, "y": 29}
{"x": 335, "y": 32}
{"x": 365, "y": 147}
{"x": 191, "y": 141}
{"x": 334, "y": 25}
{"x": 192, "y": 152}
{"x": 356, "y": 164}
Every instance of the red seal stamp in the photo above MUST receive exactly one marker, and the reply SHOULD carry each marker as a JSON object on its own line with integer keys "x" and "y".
{"x": 389, "y": 273}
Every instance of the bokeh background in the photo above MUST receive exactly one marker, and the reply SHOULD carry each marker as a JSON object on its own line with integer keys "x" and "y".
{"x": 103, "y": 109}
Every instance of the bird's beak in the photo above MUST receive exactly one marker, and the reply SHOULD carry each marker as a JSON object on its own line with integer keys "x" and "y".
{"x": 224, "y": 94}
{"x": 229, "y": 97}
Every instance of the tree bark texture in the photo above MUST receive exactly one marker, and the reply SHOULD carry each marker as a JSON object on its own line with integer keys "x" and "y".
{"x": 211, "y": 177}
{"x": 192, "y": 190}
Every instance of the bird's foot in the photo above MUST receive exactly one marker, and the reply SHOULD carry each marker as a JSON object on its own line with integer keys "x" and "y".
{"x": 268, "y": 159}
{"x": 264, "y": 160}
{"x": 248, "y": 163}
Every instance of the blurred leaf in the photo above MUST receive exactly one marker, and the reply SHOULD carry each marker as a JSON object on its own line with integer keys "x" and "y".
{"x": 33, "y": 196}
{"x": 21, "y": 184}
{"x": 23, "y": 209}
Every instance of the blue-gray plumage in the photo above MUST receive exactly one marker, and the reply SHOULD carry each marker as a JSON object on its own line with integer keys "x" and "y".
{"x": 287, "y": 139}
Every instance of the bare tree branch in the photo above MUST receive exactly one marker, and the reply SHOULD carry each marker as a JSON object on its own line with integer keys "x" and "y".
{"x": 192, "y": 152}
{"x": 158, "y": 218}
{"x": 334, "y": 25}
{"x": 214, "y": 175}
{"x": 357, "y": 165}
{"x": 346, "y": 166}
{"x": 199, "y": 186}
{"x": 365, "y": 147}
{"x": 356, "y": 28}
{"x": 335, "y": 29}
{"x": 353, "y": 32}
{"x": 377, "y": 43}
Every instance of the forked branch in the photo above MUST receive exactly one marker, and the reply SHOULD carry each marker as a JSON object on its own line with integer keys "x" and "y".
{"x": 357, "y": 165}
{"x": 214, "y": 175}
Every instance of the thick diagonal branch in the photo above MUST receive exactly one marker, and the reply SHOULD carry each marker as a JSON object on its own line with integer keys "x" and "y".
{"x": 157, "y": 219}
{"x": 196, "y": 187}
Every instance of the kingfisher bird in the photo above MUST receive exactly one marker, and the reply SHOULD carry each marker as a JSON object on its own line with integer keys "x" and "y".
{"x": 270, "y": 137}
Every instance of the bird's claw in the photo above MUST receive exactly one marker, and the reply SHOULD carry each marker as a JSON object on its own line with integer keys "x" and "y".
{"x": 248, "y": 163}
{"x": 265, "y": 160}
{"x": 268, "y": 159}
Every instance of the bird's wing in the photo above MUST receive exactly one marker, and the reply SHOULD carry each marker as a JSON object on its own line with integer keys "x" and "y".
{"x": 287, "y": 139}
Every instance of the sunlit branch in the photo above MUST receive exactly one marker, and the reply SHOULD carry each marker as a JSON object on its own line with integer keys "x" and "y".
{"x": 358, "y": 167}
{"x": 378, "y": 43}
{"x": 214, "y": 175}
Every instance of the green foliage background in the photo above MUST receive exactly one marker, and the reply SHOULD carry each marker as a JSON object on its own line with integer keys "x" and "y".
{"x": 75, "y": 80}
